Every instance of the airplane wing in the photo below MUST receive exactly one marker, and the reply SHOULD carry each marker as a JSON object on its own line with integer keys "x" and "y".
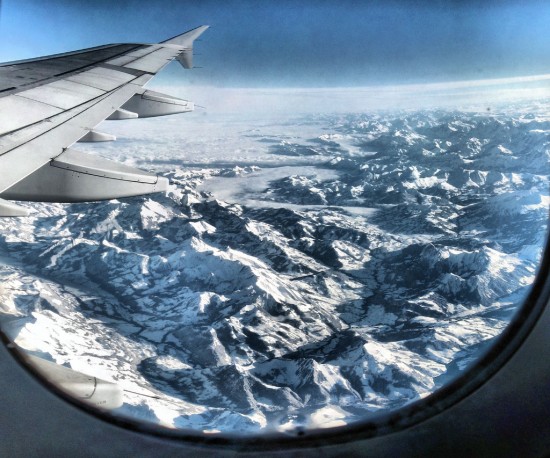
{"x": 50, "y": 103}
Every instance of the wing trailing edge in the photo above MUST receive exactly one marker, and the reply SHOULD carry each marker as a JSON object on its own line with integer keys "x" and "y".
{"x": 79, "y": 177}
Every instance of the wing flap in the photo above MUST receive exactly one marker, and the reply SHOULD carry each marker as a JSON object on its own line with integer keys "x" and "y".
{"x": 93, "y": 165}
{"x": 151, "y": 103}
{"x": 81, "y": 177}
{"x": 75, "y": 161}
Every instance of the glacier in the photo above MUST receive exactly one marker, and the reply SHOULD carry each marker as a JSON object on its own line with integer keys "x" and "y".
{"x": 306, "y": 271}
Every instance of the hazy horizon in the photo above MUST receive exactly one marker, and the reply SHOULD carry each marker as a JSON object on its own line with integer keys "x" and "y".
{"x": 480, "y": 95}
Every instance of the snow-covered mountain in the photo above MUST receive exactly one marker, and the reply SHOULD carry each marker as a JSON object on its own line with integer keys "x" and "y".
{"x": 304, "y": 272}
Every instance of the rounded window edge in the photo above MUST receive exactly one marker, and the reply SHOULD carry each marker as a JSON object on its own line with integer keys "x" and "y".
{"x": 381, "y": 423}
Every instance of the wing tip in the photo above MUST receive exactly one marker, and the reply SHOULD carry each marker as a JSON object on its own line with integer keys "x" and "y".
{"x": 186, "y": 39}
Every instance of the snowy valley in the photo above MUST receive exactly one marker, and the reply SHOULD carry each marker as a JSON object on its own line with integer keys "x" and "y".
{"x": 300, "y": 272}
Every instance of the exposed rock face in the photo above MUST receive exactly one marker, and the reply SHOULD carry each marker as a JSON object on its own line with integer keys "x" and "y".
{"x": 357, "y": 284}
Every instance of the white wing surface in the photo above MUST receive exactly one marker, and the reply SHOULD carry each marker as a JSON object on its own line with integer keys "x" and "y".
{"x": 50, "y": 103}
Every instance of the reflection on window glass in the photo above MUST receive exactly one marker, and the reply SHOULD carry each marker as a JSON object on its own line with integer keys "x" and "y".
{"x": 321, "y": 254}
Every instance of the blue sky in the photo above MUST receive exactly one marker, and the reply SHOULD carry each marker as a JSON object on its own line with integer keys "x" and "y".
{"x": 301, "y": 43}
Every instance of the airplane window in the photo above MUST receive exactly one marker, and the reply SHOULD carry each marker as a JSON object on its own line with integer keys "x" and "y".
{"x": 321, "y": 255}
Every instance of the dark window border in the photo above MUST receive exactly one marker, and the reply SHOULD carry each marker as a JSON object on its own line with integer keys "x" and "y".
{"x": 380, "y": 424}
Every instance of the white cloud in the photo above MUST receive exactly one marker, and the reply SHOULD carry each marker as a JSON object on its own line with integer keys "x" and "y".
{"x": 478, "y": 94}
